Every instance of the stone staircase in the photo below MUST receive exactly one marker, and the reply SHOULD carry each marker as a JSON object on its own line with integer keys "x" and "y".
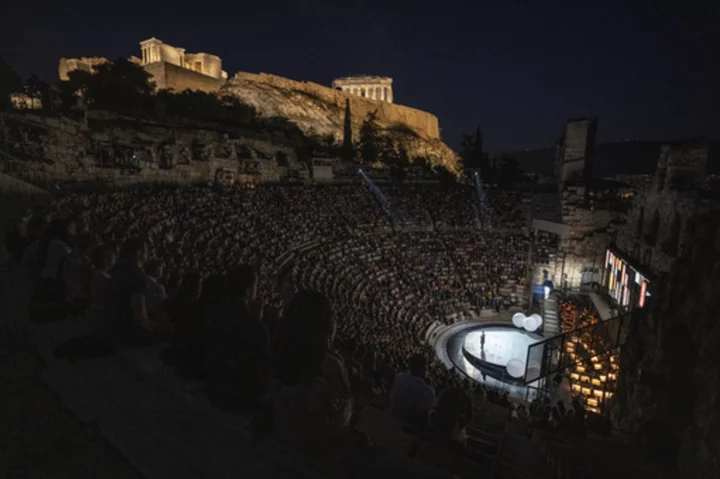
{"x": 551, "y": 319}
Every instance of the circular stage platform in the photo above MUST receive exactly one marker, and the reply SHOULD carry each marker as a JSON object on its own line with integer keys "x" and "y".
{"x": 486, "y": 364}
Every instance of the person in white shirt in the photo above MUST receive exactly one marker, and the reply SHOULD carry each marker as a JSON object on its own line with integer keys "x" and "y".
{"x": 411, "y": 399}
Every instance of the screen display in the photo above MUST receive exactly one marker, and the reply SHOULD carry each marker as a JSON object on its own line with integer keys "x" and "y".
{"x": 625, "y": 285}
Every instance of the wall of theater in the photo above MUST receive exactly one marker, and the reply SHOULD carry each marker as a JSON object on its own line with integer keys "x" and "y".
{"x": 48, "y": 150}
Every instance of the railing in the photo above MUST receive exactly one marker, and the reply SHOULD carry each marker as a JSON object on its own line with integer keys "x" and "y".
{"x": 550, "y": 356}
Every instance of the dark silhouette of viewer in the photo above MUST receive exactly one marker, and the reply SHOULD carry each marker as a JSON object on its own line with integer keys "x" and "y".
{"x": 411, "y": 399}
{"x": 127, "y": 321}
{"x": 239, "y": 343}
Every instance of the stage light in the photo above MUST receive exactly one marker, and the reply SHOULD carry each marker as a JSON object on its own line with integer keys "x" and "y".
{"x": 532, "y": 322}
{"x": 515, "y": 368}
{"x": 518, "y": 319}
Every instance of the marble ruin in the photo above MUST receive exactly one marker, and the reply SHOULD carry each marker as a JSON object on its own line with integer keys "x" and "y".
{"x": 154, "y": 50}
{"x": 372, "y": 87}
{"x": 170, "y": 67}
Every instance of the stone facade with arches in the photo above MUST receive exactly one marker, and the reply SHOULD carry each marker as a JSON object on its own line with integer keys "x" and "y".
{"x": 663, "y": 222}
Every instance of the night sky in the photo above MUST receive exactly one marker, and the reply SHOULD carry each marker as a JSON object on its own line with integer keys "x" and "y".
{"x": 517, "y": 69}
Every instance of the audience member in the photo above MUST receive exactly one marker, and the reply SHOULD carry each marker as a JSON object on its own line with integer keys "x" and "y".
{"x": 411, "y": 399}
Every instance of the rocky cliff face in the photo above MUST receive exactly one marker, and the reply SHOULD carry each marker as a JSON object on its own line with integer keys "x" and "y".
{"x": 319, "y": 110}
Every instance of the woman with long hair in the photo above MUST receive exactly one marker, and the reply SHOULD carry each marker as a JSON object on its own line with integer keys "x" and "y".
{"x": 313, "y": 406}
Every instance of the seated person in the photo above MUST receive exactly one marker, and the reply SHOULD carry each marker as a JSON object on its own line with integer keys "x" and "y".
{"x": 100, "y": 288}
{"x": 411, "y": 399}
{"x": 77, "y": 274}
{"x": 312, "y": 405}
{"x": 128, "y": 321}
{"x": 238, "y": 343}
{"x": 452, "y": 414}
{"x": 154, "y": 291}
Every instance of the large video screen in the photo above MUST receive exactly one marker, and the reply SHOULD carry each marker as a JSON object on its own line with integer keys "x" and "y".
{"x": 628, "y": 287}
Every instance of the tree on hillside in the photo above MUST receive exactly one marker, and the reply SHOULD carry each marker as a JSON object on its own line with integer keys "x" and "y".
{"x": 471, "y": 151}
{"x": 10, "y": 82}
{"x": 348, "y": 150}
{"x": 74, "y": 88}
{"x": 370, "y": 138}
{"x": 120, "y": 86}
{"x": 38, "y": 88}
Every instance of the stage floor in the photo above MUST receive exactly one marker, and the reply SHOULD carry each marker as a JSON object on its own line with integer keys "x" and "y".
{"x": 502, "y": 343}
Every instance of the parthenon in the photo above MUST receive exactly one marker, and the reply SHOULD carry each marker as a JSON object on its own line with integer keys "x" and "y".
{"x": 372, "y": 87}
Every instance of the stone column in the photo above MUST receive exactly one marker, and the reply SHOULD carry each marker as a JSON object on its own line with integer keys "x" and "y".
{"x": 390, "y": 95}
{"x": 371, "y": 92}
{"x": 385, "y": 90}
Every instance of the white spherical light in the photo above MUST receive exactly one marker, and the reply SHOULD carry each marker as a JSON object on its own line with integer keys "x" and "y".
{"x": 538, "y": 319}
{"x": 530, "y": 324}
{"x": 518, "y": 320}
{"x": 515, "y": 368}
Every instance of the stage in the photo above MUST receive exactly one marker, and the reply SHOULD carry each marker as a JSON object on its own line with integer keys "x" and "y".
{"x": 486, "y": 365}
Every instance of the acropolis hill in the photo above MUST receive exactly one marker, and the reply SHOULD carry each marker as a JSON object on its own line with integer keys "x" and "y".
{"x": 314, "y": 108}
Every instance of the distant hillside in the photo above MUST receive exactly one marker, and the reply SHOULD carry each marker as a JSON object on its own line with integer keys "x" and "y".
{"x": 616, "y": 158}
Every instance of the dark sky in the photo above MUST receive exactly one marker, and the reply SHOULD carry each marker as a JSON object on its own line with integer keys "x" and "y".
{"x": 518, "y": 69}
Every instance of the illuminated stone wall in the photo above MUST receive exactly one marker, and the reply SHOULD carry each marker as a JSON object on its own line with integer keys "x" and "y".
{"x": 87, "y": 64}
{"x": 167, "y": 75}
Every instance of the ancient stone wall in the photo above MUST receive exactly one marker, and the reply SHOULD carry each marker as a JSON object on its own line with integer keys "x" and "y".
{"x": 664, "y": 219}
{"x": 113, "y": 150}
{"x": 167, "y": 75}
{"x": 88, "y": 64}
{"x": 586, "y": 235}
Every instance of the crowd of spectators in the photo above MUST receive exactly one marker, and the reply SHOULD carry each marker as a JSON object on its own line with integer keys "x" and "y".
{"x": 577, "y": 313}
{"x": 201, "y": 271}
